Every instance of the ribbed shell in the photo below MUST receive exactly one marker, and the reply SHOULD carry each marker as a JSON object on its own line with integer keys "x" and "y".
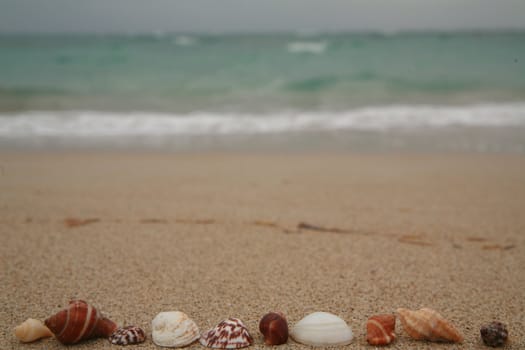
{"x": 380, "y": 329}
{"x": 31, "y": 330}
{"x": 322, "y": 329}
{"x": 127, "y": 335}
{"x": 428, "y": 324}
{"x": 173, "y": 329}
{"x": 229, "y": 334}
{"x": 79, "y": 321}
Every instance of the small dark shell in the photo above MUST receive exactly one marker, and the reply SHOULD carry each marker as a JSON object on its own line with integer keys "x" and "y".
{"x": 127, "y": 335}
{"x": 494, "y": 334}
{"x": 274, "y": 328}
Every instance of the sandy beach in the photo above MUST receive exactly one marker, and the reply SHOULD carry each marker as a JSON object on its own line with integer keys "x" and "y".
{"x": 220, "y": 235}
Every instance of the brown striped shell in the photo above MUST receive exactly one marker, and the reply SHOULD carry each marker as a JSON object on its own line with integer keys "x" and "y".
{"x": 79, "y": 321}
{"x": 380, "y": 329}
{"x": 229, "y": 334}
{"x": 127, "y": 335}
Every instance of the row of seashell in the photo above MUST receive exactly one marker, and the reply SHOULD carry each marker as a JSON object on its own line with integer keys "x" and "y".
{"x": 80, "y": 321}
{"x": 176, "y": 329}
{"x": 77, "y": 322}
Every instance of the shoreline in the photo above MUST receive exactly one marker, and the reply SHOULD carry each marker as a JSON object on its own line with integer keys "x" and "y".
{"x": 448, "y": 140}
{"x": 217, "y": 235}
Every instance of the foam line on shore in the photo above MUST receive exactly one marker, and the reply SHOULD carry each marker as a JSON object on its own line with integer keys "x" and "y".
{"x": 104, "y": 123}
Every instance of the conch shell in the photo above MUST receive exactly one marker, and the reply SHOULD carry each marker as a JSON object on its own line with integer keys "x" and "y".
{"x": 79, "y": 321}
{"x": 428, "y": 324}
{"x": 31, "y": 330}
{"x": 322, "y": 329}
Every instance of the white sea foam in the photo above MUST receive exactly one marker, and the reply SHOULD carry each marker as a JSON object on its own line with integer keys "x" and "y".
{"x": 315, "y": 47}
{"x": 93, "y": 124}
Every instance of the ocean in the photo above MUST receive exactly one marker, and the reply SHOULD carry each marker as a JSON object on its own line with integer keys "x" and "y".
{"x": 346, "y": 91}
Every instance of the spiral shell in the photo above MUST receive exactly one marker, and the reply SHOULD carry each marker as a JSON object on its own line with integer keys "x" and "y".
{"x": 127, "y": 335}
{"x": 428, "y": 324}
{"x": 31, "y": 330}
{"x": 79, "y": 321}
{"x": 229, "y": 334}
{"x": 380, "y": 329}
{"x": 274, "y": 328}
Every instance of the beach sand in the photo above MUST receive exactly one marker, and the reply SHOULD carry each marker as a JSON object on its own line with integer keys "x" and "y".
{"x": 220, "y": 235}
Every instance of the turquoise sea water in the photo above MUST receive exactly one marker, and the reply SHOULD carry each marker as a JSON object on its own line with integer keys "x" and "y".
{"x": 172, "y": 84}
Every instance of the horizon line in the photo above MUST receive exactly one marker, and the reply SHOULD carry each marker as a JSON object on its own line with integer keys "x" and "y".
{"x": 161, "y": 33}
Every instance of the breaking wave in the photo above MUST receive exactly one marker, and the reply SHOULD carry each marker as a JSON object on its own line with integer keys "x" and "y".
{"x": 379, "y": 118}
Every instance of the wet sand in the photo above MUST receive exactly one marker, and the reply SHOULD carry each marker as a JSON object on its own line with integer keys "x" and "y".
{"x": 217, "y": 235}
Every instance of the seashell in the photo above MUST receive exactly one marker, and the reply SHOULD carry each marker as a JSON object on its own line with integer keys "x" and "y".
{"x": 127, "y": 335}
{"x": 322, "y": 329}
{"x": 229, "y": 334}
{"x": 494, "y": 334}
{"x": 79, "y": 321}
{"x": 173, "y": 329}
{"x": 31, "y": 330}
{"x": 428, "y": 324}
{"x": 274, "y": 328}
{"x": 380, "y": 329}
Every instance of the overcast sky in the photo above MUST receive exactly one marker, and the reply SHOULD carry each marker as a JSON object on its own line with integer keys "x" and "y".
{"x": 136, "y": 16}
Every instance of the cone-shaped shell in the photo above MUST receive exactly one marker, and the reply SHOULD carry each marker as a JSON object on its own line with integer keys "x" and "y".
{"x": 173, "y": 329}
{"x": 274, "y": 328}
{"x": 79, "y": 321}
{"x": 229, "y": 334}
{"x": 380, "y": 329}
{"x": 31, "y": 330}
{"x": 428, "y": 324}
{"x": 322, "y": 329}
